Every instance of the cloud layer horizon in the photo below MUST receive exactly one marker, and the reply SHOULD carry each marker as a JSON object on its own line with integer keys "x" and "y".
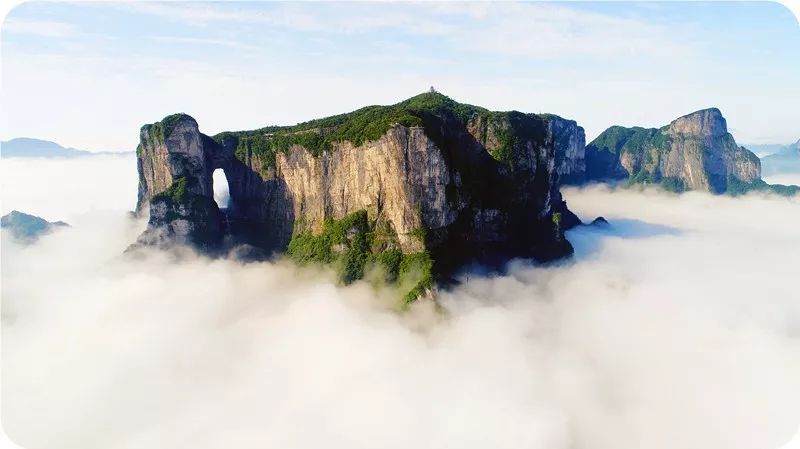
{"x": 677, "y": 327}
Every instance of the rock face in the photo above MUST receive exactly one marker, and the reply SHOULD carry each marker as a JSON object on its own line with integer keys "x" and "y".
{"x": 694, "y": 152}
{"x": 28, "y": 228}
{"x": 175, "y": 184}
{"x": 570, "y": 144}
{"x": 426, "y": 182}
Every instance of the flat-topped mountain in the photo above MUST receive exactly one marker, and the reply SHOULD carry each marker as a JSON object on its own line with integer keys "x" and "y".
{"x": 694, "y": 152}
{"x": 414, "y": 189}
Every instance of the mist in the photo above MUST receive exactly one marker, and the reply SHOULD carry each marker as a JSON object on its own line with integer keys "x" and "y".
{"x": 66, "y": 188}
{"x": 676, "y": 327}
{"x": 784, "y": 178}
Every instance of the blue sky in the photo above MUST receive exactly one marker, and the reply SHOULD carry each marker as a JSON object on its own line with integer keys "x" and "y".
{"x": 88, "y": 75}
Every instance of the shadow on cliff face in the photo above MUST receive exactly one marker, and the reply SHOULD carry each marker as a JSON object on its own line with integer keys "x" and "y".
{"x": 588, "y": 241}
{"x": 676, "y": 328}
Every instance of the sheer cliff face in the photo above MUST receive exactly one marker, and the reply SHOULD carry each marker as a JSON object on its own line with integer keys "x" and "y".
{"x": 167, "y": 154}
{"x": 402, "y": 178}
{"x": 570, "y": 144}
{"x": 452, "y": 182}
{"x": 175, "y": 184}
{"x": 694, "y": 152}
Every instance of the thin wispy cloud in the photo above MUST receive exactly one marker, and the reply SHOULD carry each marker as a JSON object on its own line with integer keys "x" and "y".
{"x": 539, "y": 30}
{"x": 189, "y": 12}
{"x": 201, "y": 41}
{"x": 601, "y": 63}
{"x": 521, "y": 29}
{"x": 45, "y": 28}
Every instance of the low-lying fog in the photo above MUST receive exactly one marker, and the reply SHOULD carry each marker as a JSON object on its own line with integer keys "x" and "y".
{"x": 784, "y": 178}
{"x": 678, "y": 327}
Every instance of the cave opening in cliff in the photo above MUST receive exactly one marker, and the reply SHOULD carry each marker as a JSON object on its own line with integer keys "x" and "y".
{"x": 221, "y": 191}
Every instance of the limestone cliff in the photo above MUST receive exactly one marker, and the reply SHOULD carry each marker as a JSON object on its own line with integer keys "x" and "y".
{"x": 175, "y": 184}
{"x": 694, "y": 152}
{"x": 422, "y": 186}
{"x": 570, "y": 144}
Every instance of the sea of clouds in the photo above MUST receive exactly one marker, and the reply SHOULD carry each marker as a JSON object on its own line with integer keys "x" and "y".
{"x": 676, "y": 328}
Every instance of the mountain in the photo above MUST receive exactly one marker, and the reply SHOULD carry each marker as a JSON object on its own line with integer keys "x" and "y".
{"x": 28, "y": 228}
{"x": 765, "y": 149}
{"x": 416, "y": 189}
{"x": 785, "y": 160}
{"x": 26, "y": 147}
{"x": 694, "y": 152}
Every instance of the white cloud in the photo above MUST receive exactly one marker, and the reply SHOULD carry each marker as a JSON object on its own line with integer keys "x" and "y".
{"x": 291, "y": 62}
{"x": 676, "y": 329}
{"x": 532, "y": 30}
{"x": 46, "y": 28}
{"x": 784, "y": 178}
{"x": 200, "y": 41}
{"x": 540, "y": 31}
{"x": 65, "y": 189}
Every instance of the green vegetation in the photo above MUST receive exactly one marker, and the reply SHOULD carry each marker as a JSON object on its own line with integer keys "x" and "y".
{"x": 784, "y": 190}
{"x": 416, "y": 270}
{"x": 177, "y": 192}
{"x": 619, "y": 140}
{"x": 360, "y": 126}
{"x": 258, "y": 145}
{"x": 372, "y": 122}
{"x": 355, "y": 243}
{"x": 390, "y": 259}
{"x": 512, "y": 130}
{"x": 673, "y": 184}
{"x": 160, "y": 131}
{"x": 643, "y": 176}
{"x": 737, "y": 187}
{"x": 181, "y": 203}
{"x": 420, "y": 233}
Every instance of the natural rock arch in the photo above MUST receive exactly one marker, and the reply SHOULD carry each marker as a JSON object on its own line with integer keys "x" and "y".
{"x": 422, "y": 186}
{"x": 176, "y": 164}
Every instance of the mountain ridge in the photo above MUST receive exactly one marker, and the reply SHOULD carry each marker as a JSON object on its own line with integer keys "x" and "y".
{"x": 422, "y": 186}
{"x": 28, "y": 228}
{"x": 693, "y": 152}
{"x": 30, "y": 147}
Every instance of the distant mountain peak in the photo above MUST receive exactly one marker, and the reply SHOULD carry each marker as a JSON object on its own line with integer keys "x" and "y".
{"x": 31, "y": 147}
{"x": 705, "y": 122}
{"x": 26, "y": 227}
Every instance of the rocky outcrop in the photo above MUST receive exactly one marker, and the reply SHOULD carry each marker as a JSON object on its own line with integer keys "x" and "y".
{"x": 175, "y": 184}
{"x": 428, "y": 181}
{"x": 569, "y": 141}
{"x": 28, "y": 228}
{"x": 694, "y": 152}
